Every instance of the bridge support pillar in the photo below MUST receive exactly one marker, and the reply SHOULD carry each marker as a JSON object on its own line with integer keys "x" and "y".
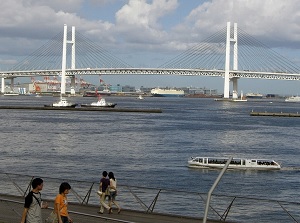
{"x": 12, "y": 84}
{"x": 235, "y": 88}
{"x": 64, "y": 62}
{"x": 2, "y": 85}
{"x": 235, "y": 62}
{"x": 73, "y": 85}
{"x": 227, "y": 63}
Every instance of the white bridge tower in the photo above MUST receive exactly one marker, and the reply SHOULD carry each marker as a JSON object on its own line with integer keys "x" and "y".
{"x": 227, "y": 62}
{"x": 64, "y": 61}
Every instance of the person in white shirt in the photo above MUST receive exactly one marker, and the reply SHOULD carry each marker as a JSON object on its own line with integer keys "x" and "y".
{"x": 113, "y": 191}
{"x": 33, "y": 203}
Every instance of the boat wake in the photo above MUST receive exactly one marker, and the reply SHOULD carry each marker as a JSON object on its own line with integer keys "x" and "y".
{"x": 290, "y": 168}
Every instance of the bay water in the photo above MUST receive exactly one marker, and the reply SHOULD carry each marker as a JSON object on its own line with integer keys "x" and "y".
{"x": 152, "y": 149}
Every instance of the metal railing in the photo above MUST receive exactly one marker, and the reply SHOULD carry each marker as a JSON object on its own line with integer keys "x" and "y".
{"x": 164, "y": 201}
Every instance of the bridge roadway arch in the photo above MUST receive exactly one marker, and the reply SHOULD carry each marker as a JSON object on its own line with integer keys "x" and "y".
{"x": 151, "y": 71}
{"x": 113, "y": 71}
{"x": 146, "y": 71}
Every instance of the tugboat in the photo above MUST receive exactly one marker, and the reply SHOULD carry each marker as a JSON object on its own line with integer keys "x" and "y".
{"x": 63, "y": 103}
{"x": 100, "y": 103}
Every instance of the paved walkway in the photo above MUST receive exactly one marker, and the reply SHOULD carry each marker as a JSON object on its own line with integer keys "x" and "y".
{"x": 11, "y": 208}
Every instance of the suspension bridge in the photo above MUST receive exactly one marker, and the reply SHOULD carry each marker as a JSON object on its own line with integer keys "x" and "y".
{"x": 230, "y": 53}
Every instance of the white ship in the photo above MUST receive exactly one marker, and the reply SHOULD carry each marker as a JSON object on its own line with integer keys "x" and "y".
{"x": 157, "y": 92}
{"x": 293, "y": 99}
{"x": 254, "y": 95}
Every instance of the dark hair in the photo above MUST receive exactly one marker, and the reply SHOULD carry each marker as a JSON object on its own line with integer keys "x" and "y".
{"x": 36, "y": 182}
{"x": 111, "y": 176}
{"x": 64, "y": 186}
{"x": 104, "y": 173}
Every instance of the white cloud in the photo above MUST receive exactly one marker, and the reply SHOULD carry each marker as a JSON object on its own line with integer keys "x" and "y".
{"x": 30, "y": 23}
{"x": 269, "y": 20}
{"x": 32, "y": 20}
{"x": 143, "y": 14}
{"x": 139, "y": 20}
{"x": 138, "y": 24}
{"x": 103, "y": 2}
{"x": 56, "y": 5}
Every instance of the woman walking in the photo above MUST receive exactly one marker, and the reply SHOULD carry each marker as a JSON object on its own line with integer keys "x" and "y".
{"x": 113, "y": 191}
{"x": 61, "y": 204}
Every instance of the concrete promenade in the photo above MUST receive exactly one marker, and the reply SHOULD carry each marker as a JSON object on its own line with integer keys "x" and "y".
{"x": 11, "y": 208}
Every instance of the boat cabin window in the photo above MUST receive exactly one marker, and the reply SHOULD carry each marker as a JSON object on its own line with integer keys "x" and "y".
{"x": 198, "y": 160}
{"x": 266, "y": 162}
{"x": 223, "y": 161}
{"x": 236, "y": 161}
{"x": 216, "y": 160}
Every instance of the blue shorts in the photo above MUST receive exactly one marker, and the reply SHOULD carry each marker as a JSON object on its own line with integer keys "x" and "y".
{"x": 113, "y": 195}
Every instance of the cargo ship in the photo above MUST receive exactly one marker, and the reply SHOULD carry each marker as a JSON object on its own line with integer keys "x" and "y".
{"x": 157, "y": 92}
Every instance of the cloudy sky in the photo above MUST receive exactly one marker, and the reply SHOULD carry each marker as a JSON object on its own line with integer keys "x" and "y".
{"x": 146, "y": 33}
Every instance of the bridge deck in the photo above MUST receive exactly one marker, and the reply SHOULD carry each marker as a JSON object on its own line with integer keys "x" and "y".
{"x": 11, "y": 208}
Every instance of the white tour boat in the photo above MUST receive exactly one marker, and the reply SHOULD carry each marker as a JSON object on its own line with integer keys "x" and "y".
{"x": 236, "y": 163}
